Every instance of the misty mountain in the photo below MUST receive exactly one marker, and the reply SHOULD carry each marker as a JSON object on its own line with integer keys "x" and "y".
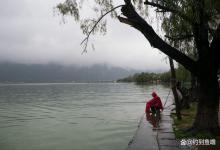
{"x": 13, "y": 72}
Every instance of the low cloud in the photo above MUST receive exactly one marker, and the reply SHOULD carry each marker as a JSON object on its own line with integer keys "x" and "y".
{"x": 31, "y": 33}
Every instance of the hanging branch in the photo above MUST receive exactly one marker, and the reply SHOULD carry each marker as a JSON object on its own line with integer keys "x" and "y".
{"x": 86, "y": 40}
{"x": 135, "y": 20}
{"x": 179, "y": 37}
{"x": 161, "y": 8}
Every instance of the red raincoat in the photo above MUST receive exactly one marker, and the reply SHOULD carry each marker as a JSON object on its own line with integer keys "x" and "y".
{"x": 155, "y": 102}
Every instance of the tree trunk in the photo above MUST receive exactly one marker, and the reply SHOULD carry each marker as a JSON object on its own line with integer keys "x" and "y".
{"x": 173, "y": 84}
{"x": 204, "y": 68}
{"x": 194, "y": 88}
{"x": 208, "y": 105}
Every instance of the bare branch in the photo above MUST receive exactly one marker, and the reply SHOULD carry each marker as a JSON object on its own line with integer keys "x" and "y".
{"x": 125, "y": 21}
{"x": 179, "y": 37}
{"x": 159, "y": 6}
{"x": 86, "y": 40}
{"x": 168, "y": 9}
{"x": 140, "y": 24}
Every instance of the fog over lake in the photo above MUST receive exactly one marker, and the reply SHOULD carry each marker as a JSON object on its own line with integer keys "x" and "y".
{"x": 32, "y": 33}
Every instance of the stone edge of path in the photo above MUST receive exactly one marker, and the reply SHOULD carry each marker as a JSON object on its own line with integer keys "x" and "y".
{"x": 166, "y": 137}
{"x": 164, "y": 134}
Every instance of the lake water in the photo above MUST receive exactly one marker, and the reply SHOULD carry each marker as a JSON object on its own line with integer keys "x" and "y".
{"x": 78, "y": 116}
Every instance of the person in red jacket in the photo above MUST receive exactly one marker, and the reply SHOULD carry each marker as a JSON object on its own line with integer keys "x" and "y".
{"x": 154, "y": 104}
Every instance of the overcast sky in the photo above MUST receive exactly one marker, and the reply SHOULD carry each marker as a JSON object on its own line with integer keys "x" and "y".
{"x": 30, "y": 32}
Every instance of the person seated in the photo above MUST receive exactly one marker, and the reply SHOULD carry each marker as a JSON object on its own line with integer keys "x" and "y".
{"x": 154, "y": 104}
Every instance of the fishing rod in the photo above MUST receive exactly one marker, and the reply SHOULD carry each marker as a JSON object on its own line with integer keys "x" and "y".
{"x": 168, "y": 106}
{"x": 166, "y": 99}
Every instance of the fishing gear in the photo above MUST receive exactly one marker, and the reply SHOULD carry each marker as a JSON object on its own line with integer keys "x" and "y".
{"x": 166, "y": 99}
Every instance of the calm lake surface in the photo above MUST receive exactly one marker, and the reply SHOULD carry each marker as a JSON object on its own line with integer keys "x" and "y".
{"x": 78, "y": 116}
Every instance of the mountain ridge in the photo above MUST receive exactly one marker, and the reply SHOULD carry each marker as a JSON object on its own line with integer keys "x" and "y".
{"x": 38, "y": 73}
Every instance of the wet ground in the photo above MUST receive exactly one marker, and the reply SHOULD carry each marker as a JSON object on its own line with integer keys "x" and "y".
{"x": 162, "y": 136}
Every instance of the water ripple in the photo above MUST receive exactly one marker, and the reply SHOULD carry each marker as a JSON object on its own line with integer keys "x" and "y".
{"x": 63, "y": 116}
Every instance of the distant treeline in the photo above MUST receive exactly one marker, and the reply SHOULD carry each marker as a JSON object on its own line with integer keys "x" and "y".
{"x": 181, "y": 73}
{"x": 39, "y": 73}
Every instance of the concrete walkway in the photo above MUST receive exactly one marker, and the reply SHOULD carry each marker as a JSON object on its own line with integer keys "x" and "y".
{"x": 166, "y": 137}
{"x": 144, "y": 139}
{"x": 160, "y": 138}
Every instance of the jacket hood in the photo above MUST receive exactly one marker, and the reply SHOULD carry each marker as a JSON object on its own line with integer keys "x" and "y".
{"x": 154, "y": 94}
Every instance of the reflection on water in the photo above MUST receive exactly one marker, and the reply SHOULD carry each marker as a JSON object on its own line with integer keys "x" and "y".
{"x": 153, "y": 119}
{"x": 88, "y": 116}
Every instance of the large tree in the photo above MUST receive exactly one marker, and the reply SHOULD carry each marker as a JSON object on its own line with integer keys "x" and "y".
{"x": 194, "y": 22}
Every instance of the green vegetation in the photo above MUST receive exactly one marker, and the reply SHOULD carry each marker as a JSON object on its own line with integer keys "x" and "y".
{"x": 147, "y": 77}
{"x": 192, "y": 35}
{"x": 141, "y": 77}
{"x": 181, "y": 73}
{"x": 180, "y": 126}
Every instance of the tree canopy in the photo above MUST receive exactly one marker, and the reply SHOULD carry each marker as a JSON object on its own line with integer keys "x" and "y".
{"x": 192, "y": 38}
{"x": 179, "y": 19}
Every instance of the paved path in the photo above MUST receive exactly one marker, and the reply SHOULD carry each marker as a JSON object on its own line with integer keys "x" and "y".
{"x": 166, "y": 137}
{"x": 144, "y": 138}
{"x": 160, "y": 138}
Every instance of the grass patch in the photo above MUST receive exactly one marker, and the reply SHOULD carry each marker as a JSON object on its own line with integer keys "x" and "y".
{"x": 180, "y": 126}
